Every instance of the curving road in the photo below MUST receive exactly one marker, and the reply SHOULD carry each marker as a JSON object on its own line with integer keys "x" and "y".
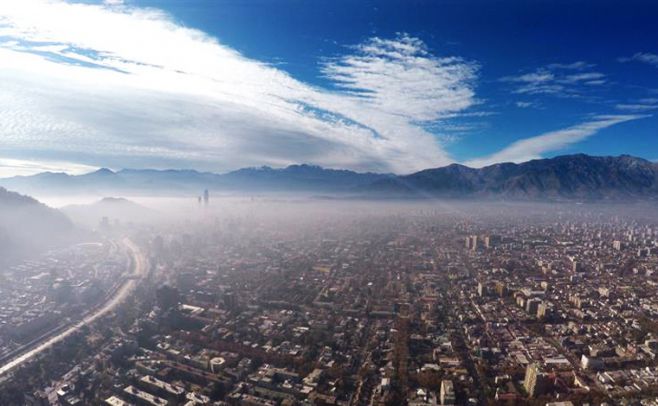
{"x": 140, "y": 268}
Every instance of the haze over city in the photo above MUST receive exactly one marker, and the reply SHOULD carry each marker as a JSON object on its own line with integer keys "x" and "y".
{"x": 351, "y": 203}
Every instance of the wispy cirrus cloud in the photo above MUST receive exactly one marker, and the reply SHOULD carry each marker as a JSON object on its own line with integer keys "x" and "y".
{"x": 402, "y": 78}
{"x": 526, "y": 104}
{"x": 639, "y": 105}
{"x": 18, "y": 167}
{"x": 156, "y": 93}
{"x": 644, "y": 57}
{"x": 636, "y": 107}
{"x": 560, "y": 80}
{"x": 535, "y": 147}
{"x": 578, "y": 65}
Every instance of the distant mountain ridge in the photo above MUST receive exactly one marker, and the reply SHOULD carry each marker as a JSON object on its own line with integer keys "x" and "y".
{"x": 127, "y": 181}
{"x": 564, "y": 177}
{"x": 577, "y": 176}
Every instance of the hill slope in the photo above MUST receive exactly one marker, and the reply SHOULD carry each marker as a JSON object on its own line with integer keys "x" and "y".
{"x": 28, "y": 226}
{"x": 113, "y": 208}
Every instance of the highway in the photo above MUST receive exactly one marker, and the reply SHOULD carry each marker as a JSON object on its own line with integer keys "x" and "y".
{"x": 140, "y": 268}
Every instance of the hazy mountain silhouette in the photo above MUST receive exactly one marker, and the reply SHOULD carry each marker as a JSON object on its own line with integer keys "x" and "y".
{"x": 114, "y": 208}
{"x": 565, "y": 177}
{"x": 298, "y": 177}
{"x": 28, "y": 226}
{"x": 153, "y": 182}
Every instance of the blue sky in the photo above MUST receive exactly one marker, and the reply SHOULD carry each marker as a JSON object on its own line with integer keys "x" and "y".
{"x": 367, "y": 85}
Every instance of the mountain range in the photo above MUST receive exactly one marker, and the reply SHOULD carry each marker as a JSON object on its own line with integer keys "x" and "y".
{"x": 294, "y": 178}
{"x": 564, "y": 177}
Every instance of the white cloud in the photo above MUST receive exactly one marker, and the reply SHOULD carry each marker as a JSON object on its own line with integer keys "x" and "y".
{"x": 154, "y": 93}
{"x": 557, "y": 80}
{"x": 636, "y": 107}
{"x": 534, "y": 147}
{"x": 525, "y": 104}
{"x": 640, "y": 105}
{"x": 578, "y": 65}
{"x": 22, "y": 167}
{"x": 401, "y": 78}
{"x": 587, "y": 77}
{"x": 645, "y": 57}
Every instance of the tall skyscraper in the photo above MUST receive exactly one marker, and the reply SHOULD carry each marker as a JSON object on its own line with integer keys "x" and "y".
{"x": 447, "y": 394}
{"x": 535, "y": 381}
{"x": 482, "y": 289}
{"x": 501, "y": 289}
